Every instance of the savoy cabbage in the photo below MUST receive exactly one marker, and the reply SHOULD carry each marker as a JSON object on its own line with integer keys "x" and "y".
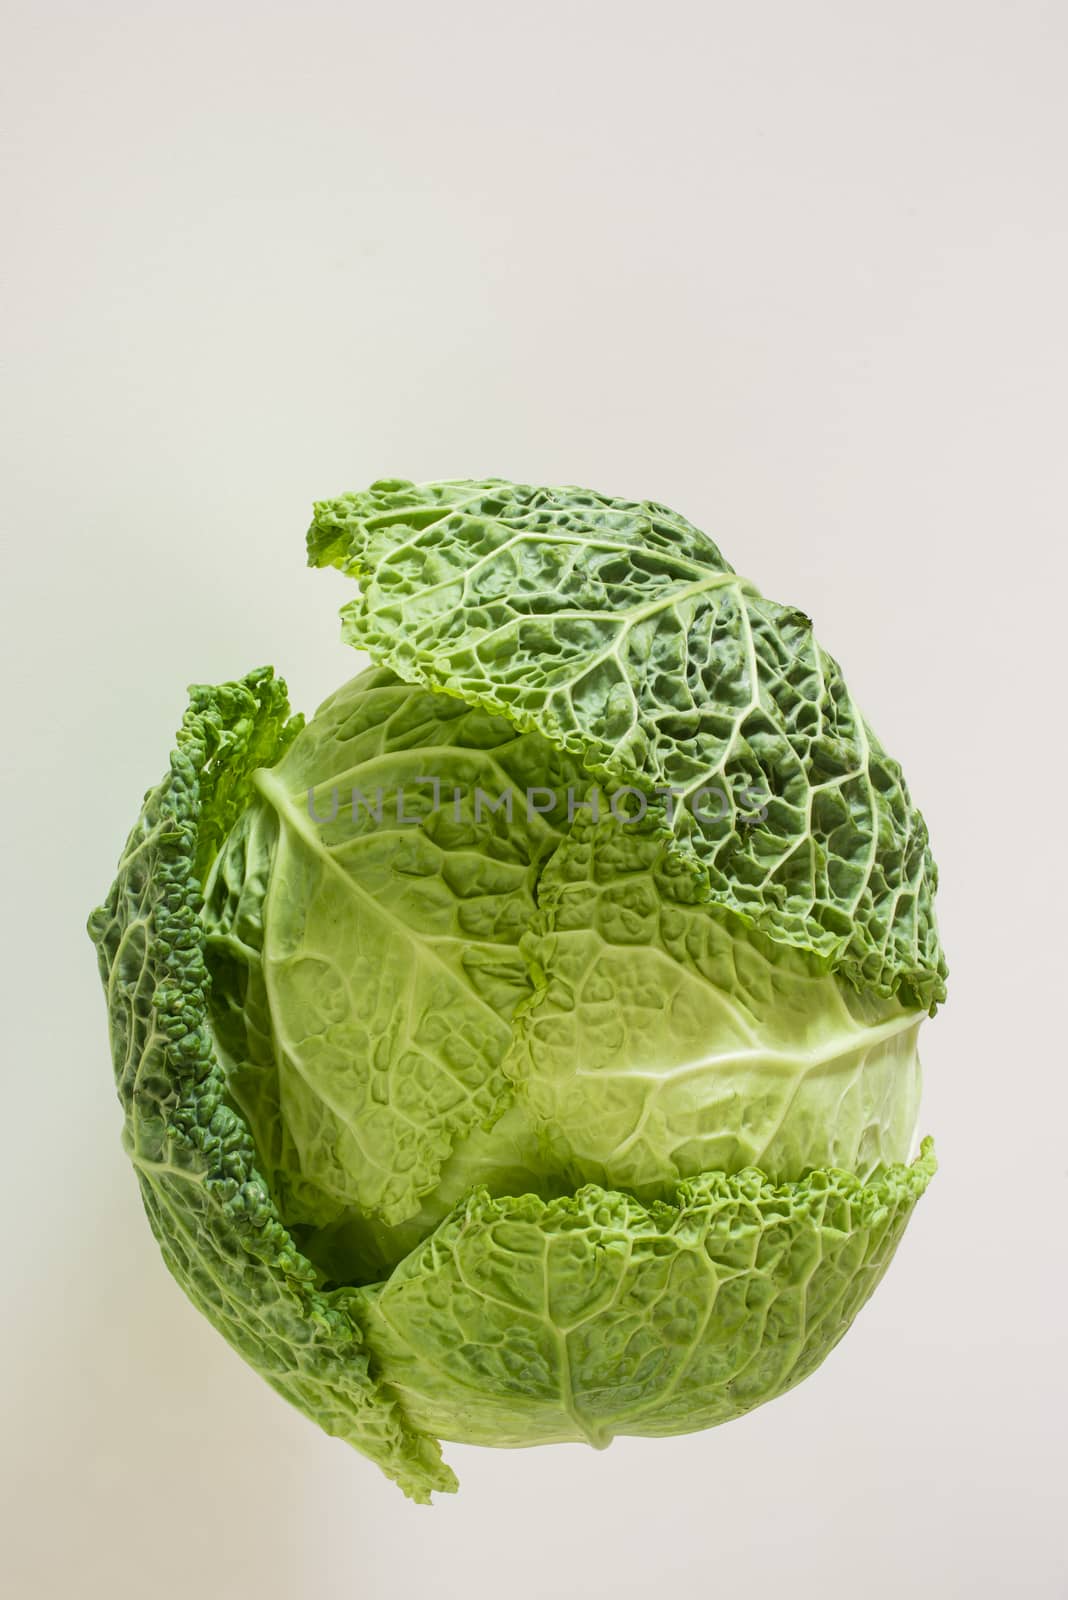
{"x": 524, "y": 1049}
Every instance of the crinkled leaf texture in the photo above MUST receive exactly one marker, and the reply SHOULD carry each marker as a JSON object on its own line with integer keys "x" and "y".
{"x": 618, "y": 631}
{"x": 589, "y": 1316}
{"x": 210, "y": 1209}
{"x": 541, "y": 1126}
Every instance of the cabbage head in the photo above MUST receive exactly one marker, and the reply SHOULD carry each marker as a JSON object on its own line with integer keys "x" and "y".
{"x": 524, "y": 1048}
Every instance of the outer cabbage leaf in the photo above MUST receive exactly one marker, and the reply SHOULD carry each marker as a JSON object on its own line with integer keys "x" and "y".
{"x": 209, "y": 1207}
{"x": 617, "y": 630}
{"x": 521, "y": 1321}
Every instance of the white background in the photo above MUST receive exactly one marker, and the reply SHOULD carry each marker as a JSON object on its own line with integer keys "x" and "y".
{"x": 797, "y": 270}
